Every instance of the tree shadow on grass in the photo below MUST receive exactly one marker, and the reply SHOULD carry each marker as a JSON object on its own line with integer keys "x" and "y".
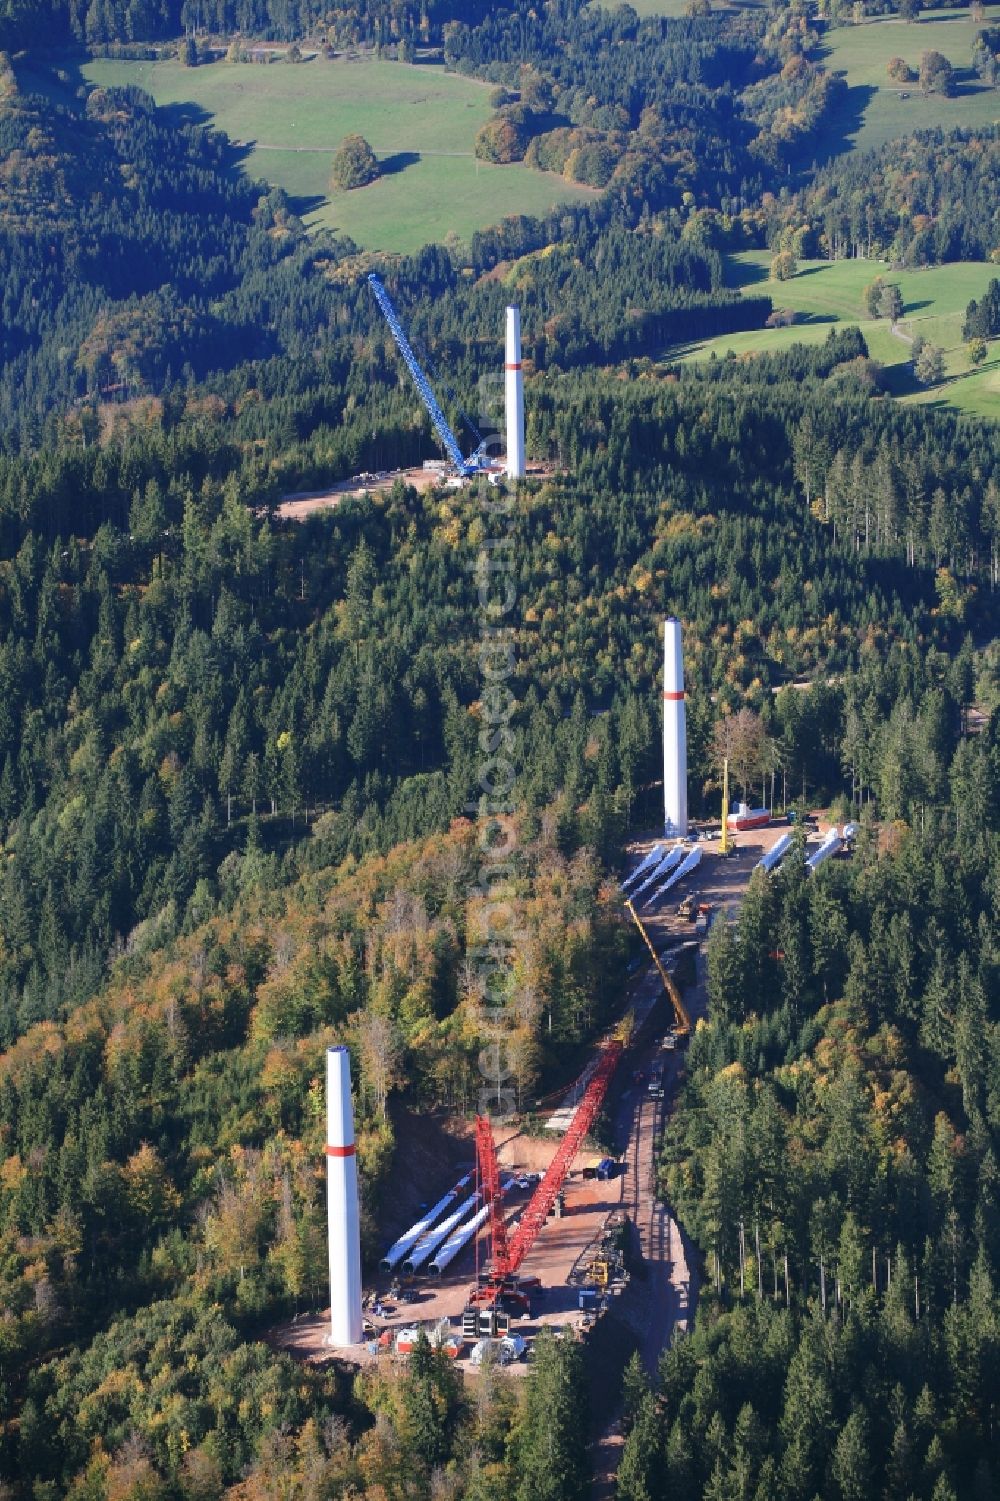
{"x": 743, "y": 274}
{"x": 66, "y": 84}
{"x": 674, "y": 353}
{"x": 966, "y": 83}
{"x": 929, "y": 20}
{"x": 307, "y": 203}
{"x": 184, "y": 114}
{"x": 899, "y": 380}
{"x": 838, "y": 132}
{"x": 399, "y": 161}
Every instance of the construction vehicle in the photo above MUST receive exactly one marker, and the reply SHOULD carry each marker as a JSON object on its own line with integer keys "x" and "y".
{"x": 599, "y": 1272}
{"x": 682, "y": 1027}
{"x": 463, "y": 468}
{"x": 702, "y": 916}
{"x": 607, "y": 1262}
{"x": 499, "y": 1289}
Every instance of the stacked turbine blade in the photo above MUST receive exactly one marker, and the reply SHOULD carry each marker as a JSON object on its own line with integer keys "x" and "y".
{"x": 690, "y": 862}
{"x": 669, "y": 862}
{"x": 653, "y": 858}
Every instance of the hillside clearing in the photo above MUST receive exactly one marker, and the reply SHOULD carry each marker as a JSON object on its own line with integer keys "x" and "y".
{"x": 877, "y": 110}
{"x": 421, "y": 121}
{"x": 830, "y": 294}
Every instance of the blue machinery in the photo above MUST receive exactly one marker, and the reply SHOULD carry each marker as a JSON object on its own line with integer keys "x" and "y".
{"x": 476, "y": 462}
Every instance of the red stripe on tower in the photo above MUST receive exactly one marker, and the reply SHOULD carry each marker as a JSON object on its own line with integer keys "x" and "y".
{"x": 339, "y": 1151}
{"x": 673, "y": 697}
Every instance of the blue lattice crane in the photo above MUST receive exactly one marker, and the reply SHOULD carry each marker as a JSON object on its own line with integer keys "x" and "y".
{"x": 475, "y": 463}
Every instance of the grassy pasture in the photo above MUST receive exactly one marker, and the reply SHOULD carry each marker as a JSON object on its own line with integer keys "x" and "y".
{"x": 875, "y": 109}
{"x": 652, "y": 7}
{"x": 830, "y": 294}
{"x": 422, "y": 122}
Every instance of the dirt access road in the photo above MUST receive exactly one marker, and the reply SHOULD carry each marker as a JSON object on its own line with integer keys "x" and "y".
{"x": 665, "y": 1300}
{"x": 302, "y": 503}
{"x": 655, "y": 1305}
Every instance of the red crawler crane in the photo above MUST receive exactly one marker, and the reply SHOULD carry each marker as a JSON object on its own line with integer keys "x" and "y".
{"x": 508, "y": 1254}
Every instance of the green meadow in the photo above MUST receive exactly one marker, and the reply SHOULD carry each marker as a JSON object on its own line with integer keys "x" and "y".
{"x": 421, "y": 121}
{"x": 829, "y": 294}
{"x": 877, "y": 110}
{"x": 657, "y": 7}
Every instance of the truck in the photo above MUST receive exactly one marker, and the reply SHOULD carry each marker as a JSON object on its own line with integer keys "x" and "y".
{"x": 655, "y": 1086}
{"x": 503, "y": 1351}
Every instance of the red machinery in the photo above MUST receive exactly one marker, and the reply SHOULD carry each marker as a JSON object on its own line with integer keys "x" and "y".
{"x": 500, "y": 1277}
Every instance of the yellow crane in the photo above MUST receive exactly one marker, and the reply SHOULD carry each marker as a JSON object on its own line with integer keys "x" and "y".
{"x": 724, "y": 847}
{"x": 623, "y": 1031}
{"x": 683, "y": 1020}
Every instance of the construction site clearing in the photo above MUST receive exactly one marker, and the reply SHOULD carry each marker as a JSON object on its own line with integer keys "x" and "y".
{"x": 299, "y": 504}
{"x": 610, "y": 1245}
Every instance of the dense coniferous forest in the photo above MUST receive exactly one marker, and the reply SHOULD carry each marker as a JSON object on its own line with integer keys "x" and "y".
{"x": 240, "y": 761}
{"x": 840, "y": 1122}
{"x": 44, "y": 22}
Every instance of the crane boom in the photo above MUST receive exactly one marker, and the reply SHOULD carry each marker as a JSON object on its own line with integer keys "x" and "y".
{"x": 683, "y": 1027}
{"x": 508, "y": 1255}
{"x": 489, "y": 1187}
{"x": 441, "y": 426}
